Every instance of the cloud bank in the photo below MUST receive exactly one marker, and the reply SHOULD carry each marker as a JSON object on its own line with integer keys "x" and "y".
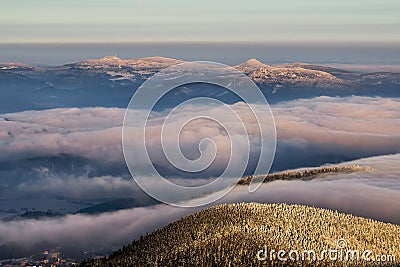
{"x": 326, "y": 129}
{"x": 310, "y": 132}
{"x": 357, "y": 123}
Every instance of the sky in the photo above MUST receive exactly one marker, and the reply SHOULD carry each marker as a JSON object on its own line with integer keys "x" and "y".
{"x": 74, "y": 21}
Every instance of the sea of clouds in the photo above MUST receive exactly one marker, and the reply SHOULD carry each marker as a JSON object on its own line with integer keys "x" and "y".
{"x": 310, "y": 132}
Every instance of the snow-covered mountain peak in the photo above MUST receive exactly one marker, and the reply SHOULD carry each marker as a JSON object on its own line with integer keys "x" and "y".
{"x": 110, "y": 58}
{"x": 252, "y": 64}
{"x": 292, "y": 76}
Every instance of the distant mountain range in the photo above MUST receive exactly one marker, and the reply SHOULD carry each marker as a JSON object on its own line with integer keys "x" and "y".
{"x": 111, "y": 81}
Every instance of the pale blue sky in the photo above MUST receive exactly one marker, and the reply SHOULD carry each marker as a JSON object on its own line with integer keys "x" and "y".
{"x": 205, "y": 20}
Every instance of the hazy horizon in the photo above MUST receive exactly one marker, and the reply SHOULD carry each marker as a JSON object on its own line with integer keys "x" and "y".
{"x": 230, "y": 53}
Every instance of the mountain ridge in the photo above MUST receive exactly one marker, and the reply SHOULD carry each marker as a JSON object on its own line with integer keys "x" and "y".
{"x": 259, "y": 72}
{"x": 117, "y": 79}
{"x": 268, "y": 75}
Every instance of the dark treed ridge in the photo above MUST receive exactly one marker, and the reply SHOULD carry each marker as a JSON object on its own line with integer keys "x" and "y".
{"x": 307, "y": 174}
{"x": 231, "y": 235}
